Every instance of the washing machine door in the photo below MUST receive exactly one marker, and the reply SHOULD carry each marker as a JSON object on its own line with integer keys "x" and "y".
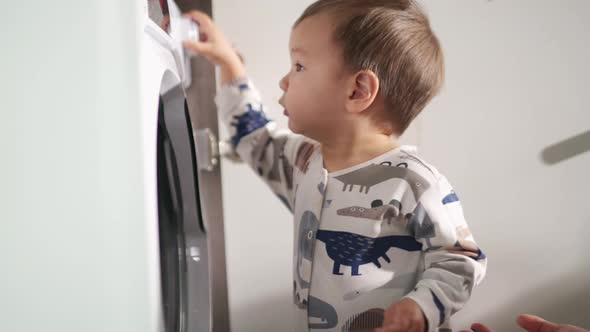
{"x": 182, "y": 249}
{"x": 182, "y": 240}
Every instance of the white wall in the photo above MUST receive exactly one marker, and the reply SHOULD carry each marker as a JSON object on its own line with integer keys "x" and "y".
{"x": 259, "y": 238}
{"x": 517, "y": 81}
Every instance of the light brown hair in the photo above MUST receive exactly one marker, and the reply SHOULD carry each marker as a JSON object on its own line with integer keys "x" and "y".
{"x": 392, "y": 38}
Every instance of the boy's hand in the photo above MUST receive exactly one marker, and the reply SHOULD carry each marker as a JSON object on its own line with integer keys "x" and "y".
{"x": 213, "y": 45}
{"x": 405, "y": 316}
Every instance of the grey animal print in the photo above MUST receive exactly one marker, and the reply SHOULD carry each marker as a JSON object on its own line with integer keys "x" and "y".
{"x": 365, "y": 321}
{"x": 397, "y": 204}
{"x": 420, "y": 225}
{"x": 258, "y": 155}
{"x": 280, "y": 161}
{"x": 416, "y": 159}
{"x": 297, "y": 298}
{"x": 259, "y": 151}
{"x": 322, "y": 311}
{"x": 288, "y": 171}
{"x": 285, "y": 201}
{"x": 406, "y": 282}
{"x": 308, "y": 228}
{"x": 295, "y": 196}
{"x": 373, "y": 174}
{"x": 322, "y": 188}
{"x": 303, "y": 156}
{"x": 278, "y": 144}
{"x": 378, "y": 211}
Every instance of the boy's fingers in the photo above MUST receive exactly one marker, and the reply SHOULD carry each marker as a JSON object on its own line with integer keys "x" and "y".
{"x": 201, "y": 18}
{"x": 198, "y": 47}
{"x": 536, "y": 324}
{"x": 206, "y": 28}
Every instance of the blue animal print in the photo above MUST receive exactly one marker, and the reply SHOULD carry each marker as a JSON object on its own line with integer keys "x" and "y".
{"x": 355, "y": 250}
{"x": 450, "y": 198}
{"x": 440, "y": 307}
{"x": 247, "y": 122}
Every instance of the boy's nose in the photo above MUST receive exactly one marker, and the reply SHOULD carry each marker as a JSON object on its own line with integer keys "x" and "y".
{"x": 284, "y": 83}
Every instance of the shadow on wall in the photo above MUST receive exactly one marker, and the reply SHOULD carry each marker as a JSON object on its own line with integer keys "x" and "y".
{"x": 566, "y": 149}
{"x": 565, "y": 301}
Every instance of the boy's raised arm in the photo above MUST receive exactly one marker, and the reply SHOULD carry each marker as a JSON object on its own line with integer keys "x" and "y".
{"x": 270, "y": 152}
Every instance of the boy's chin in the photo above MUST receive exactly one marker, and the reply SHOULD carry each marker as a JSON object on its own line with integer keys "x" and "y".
{"x": 293, "y": 127}
{"x": 301, "y": 131}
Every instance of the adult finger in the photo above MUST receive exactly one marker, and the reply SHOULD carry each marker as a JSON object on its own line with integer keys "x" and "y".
{"x": 536, "y": 324}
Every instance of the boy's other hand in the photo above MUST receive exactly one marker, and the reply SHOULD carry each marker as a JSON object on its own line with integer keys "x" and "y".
{"x": 213, "y": 45}
{"x": 532, "y": 324}
{"x": 405, "y": 316}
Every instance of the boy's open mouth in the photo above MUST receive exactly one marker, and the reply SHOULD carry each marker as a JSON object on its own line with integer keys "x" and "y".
{"x": 285, "y": 112}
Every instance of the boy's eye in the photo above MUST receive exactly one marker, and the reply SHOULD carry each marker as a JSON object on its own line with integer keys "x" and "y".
{"x": 298, "y": 67}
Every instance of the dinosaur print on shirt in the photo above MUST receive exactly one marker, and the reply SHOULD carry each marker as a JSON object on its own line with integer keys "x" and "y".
{"x": 373, "y": 174}
{"x": 354, "y": 250}
{"x": 378, "y": 211}
{"x": 247, "y": 123}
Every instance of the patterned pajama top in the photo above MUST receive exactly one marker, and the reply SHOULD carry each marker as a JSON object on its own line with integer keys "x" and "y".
{"x": 365, "y": 236}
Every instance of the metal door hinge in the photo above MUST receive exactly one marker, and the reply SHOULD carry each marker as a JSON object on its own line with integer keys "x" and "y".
{"x": 207, "y": 148}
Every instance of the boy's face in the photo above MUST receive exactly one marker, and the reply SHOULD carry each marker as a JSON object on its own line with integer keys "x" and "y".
{"x": 314, "y": 88}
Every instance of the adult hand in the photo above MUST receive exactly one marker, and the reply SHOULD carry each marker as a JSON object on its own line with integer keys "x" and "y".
{"x": 532, "y": 324}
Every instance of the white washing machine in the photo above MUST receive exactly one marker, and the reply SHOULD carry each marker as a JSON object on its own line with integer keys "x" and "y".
{"x": 183, "y": 241}
{"x": 104, "y": 188}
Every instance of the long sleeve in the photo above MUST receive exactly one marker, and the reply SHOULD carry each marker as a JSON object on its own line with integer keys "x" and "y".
{"x": 270, "y": 152}
{"x": 453, "y": 263}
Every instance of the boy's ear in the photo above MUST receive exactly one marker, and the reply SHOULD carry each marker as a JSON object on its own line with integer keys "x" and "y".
{"x": 363, "y": 89}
